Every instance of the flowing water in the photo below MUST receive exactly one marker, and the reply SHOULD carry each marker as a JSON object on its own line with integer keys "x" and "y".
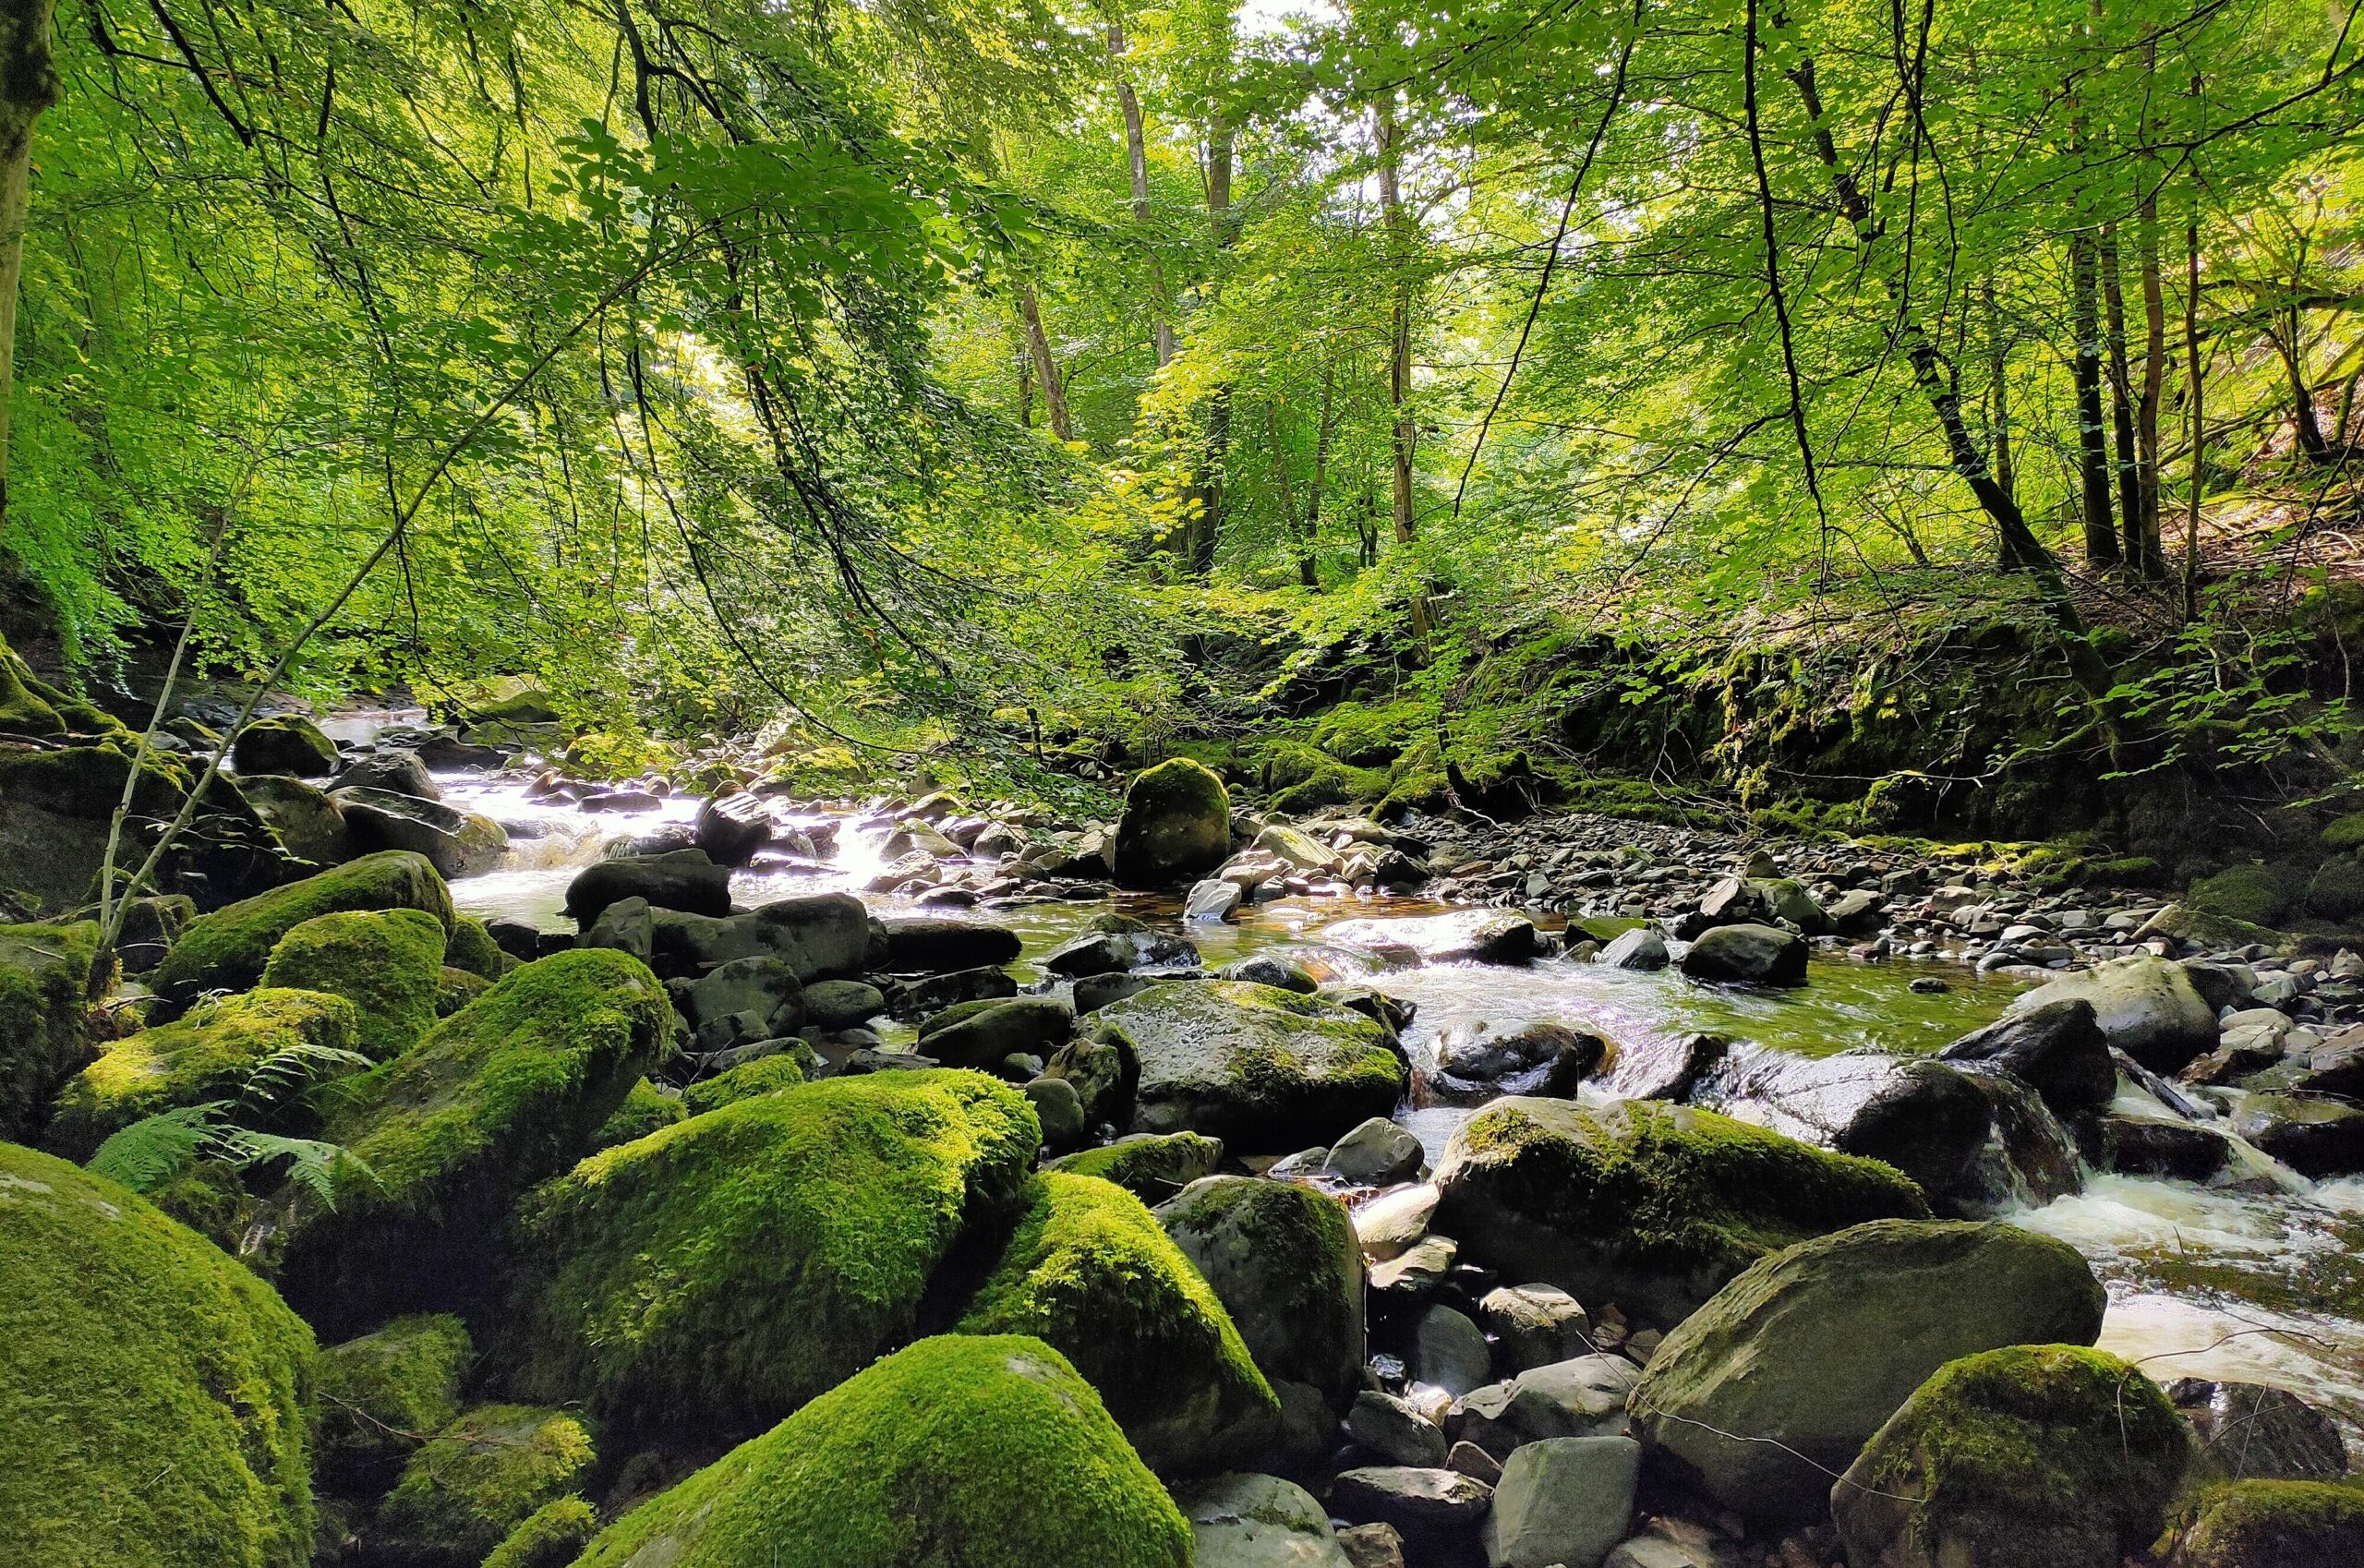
{"x": 2265, "y": 1282}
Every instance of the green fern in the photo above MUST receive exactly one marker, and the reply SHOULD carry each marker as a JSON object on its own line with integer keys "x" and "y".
{"x": 316, "y": 1167}
{"x": 287, "y": 1073}
{"x": 154, "y": 1150}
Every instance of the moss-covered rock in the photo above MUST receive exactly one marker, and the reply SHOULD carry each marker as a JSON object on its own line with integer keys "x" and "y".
{"x": 2272, "y": 1525}
{"x": 2345, "y": 832}
{"x": 55, "y": 809}
{"x": 781, "y": 1069}
{"x": 2034, "y": 1456}
{"x": 646, "y": 1109}
{"x": 1176, "y": 824}
{"x": 1152, "y": 1166}
{"x": 455, "y": 988}
{"x": 1258, "y": 1066}
{"x": 380, "y": 1393}
{"x": 504, "y": 1092}
{"x": 226, "y": 950}
{"x": 153, "y": 1391}
{"x": 1090, "y": 1273}
{"x": 1284, "y": 1261}
{"x": 738, "y": 1264}
{"x": 2257, "y": 894}
{"x": 44, "y": 1029}
{"x": 471, "y": 947}
{"x": 207, "y": 1055}
{"x": 387, "y": 963}
{"x": 477, "y": 1479}
{"x": 1648, "y": 1205}
{"x": 2336, "y": 890}
{"x": 289, "y": 744}
{"x": 552, "y": 1537}
{"x": 956, "y": 1453}
{"x": 22, "y": 711}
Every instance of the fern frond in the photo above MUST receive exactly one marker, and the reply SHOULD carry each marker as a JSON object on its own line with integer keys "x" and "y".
{"x": 291, "y": 1071}
{"x": 318, "y": 1167}
{"x": 153, "y": 1149}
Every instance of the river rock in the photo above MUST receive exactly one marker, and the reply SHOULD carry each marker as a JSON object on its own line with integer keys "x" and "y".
{"x": 1372, "y": 1546}
{"x": 1449, "y": 1351}
{"x": 1662, "y": 1067}
{"x": 1543, "y": 1057}
{"x": 1176, "y": 824}
{"x": 1747, "y": 955}
{"x": 1212, "y": 901}
{"x": 290, "y": 743}
{"x": 2036, "y": 1456}
{"x": 685, "y": 880}
{"x": 762, "y": 986}
{"x": 392, "y": 769}
{"x": 2336, "y": 1066}
{"x": 1654, "y": 1207}
{"x": 1485, "y": 936}
{"x": 2271, "y": 1525}
{"x": 1243, "y": 1521}
{"x": 302, "y": 817}
{"x": 1583, "y": 1397}
{"x": 1924, "y": 1117}
{"x": 2249, "y": 1432}
{"x": 2057, "y": 1049}
{"x": 456, "y": 842}
{"x": 979, "y": 1035}
{"x": 1116, "y": 944}
{"x": 1563, "y": 1500}
{"x": 1395, "y": 1429}
{"x": 841, "y": 1004}
{"x": 2161, "y": 1145}
{"x": 1283, "y": 1259}
{"x": 1425, "y": 1504}
{"x": 1818, "y": 1345}
{"x": 2145, "y": 1007}
{"x": 941, "y": 943}
{"x": 1534, "y": 1325}
{"x": 822, "y": 936}
{"x": 1377, "y": 1152}
{"x": 731, "y": 828}
{"x": 1640, "y": 949}
{"x": 1258, "y": 1068}
{"x": 1104, "y": 1077}
{"x": 2314, "y": 1135}
{"x": 1390, "y": 1224}
{"x": 1152, "y": 1166}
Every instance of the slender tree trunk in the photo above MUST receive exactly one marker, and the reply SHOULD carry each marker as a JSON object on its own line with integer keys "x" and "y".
{"x": 2143, "y": 552}
{"x": 2121, "y": 404}
{"x": 1136, "y": 161}
{"x": 2198, "y": 427}
{"x": 1207, "y": 524}
{"x": 1998, "y": 357}
{"x": 1025, "y": 392}
{"x": 2305, "y": 428}
{"x": 1306, "y": 572}
{"x": 1046, "y": 369}
{"x": 2093, "y": 451}
{"x": 28, "y": 86}
{"x": 1398, "y": 224}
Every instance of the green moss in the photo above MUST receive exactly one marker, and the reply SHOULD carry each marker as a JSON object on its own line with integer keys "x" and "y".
{"x": 2345, "y": 832}
{"x": 2256, "y": 894}
{"x": 471, "y": 947}
{"x": 1177, "y": 822}
{"x": 1664, "y": 1200}
{"x": 153, "y": 1390}
{"x": 2273, "y": 1525}
{"x": 2036, "y": 1456}
{"x": 455, "y": 988}
{"x": 22, "y": 711}
{"x": 382, "y": 1394}
{"x": 387, "y": 963}
{"x": 646, "y": 1109}
{"x": 44, "y": 1033}
{"x": 1285, "y": 1257}
{"x": 783, "y": 1069}
{"x": 226, "y": 950}
{"x": 2336, "y": 890}
{"x": 1090, "y": 1273}
{"x": 552, "y": 1537}
{"x": 957, "y": 1453}
{"x": 1374, "y": 734}
{"x": 205, "y": 1057}
{"x": 1300, "y": 779}
{"x": 502, "y": 1094}
{"x": 745, "y": 1260}
{"x": 1152, "y": 1167}
{"x": 288, "y": 743}
{"x": 479, "y": 1478}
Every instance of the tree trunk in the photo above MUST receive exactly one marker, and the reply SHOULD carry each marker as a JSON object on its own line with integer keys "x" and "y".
{"x": 2121, "y": 404}
{"x": 2305, "y": 429}
{"x": 2093, "y": 451}
{"x": 1136, "y": 161}
{"x": 1399, "y": 352}
{"x": 1046, "y": 369}
{"x": 2142, "y": 553}
{"x": 2199, "y": 427}
{"x": 1306, "y": 572}
{"x": 1208, "y": 523}
{"x": 1998, "y": 355}
{"x": 28, "y": 86}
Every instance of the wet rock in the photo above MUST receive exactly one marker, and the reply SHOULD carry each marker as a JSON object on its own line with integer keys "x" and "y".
{"x": 2314, "y": 1134}
{"x": 1376, "y": 1153}
{"x": 290, "y": 744}
{"x": 1372, "y": 1546}
{"x": 2144, "y": 1006}
{"x": 1534, "y": 1325}
{"x": 2028, "y": 1158}
{"x": 1284, "y": 1263}
{"x": 1152, "y": 1166}
{"x": 1093, "y": 992}
{"x": 2249, "y": 1432}
{"x": 941, "y": 943}
{"x": 1486, "y": 937}
{"x": 1747, "y": 955}
{"x": 1663, "y": 1068}
{"x": 1425, "y": 1504}
{"x": 306, "y": 820}
{"x": 1275, "y": 969}
{"x": 979, "y": 1035}
{"x": 731, "y": 828}
{"x": 1394, "y": 1429}
{"x": 2057, "y": 1049}
{"x": 841, "y": 1004}
{"x": 762, "y": 986}
{"x": 1543, "y": 1058}
{"x": 1129, "y": 946}
{"x": 2336, "y": 1066}
{"x": 1212, "y": 901}
{"x": 2272, "y": 1525}
{"x": 2158, "y": 1146}
{"x": 1104, "y": 1078}
{"x": 1563, "y": 1500}
{"x": 685, "y": 880}
{"x": 911, "y": 999}
{"x": 1784, "y": 1351}
{"x": 826, "y": 937}
{"x": 457, "y": 843}
{"x": 1449, "y": 1351}
{"x": 1245, "y": 1521}
{"x": 1391, "y": 1222}
{"x": 1176, "y": 824}
{"x": 1926, "y": 1119}
{"x": 1583, "y": 1397}
{"x": 1640, "y": 949}
{"x": 398, "y": 771}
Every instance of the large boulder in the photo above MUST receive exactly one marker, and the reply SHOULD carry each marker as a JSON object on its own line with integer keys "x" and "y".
{"x": 731, "y": 828}
{"x": 290, "y": 743}
{"x": 1152, "y": 1166}
{"x": 395, "y": 769}
{"x": 1654, "y": 1207}
{"x": 742, "y": 1262}
{"x": 1247, "y": 1520}
{"x": 458, "y": 843}
{"x": 1746, "y": 955}
{"x": 979, "y": 1033}
{"x": 57, "y": 818}
{"x": 1089, "y": 1274}
{"x": 382, "y": 1393}
{"x": 1259, "y": 1067}
{"x": 2271, "y": 1525}
{"x": 387, "y": 963}
{"x": 471, "y": 1483}
{"x": 956, "y": 1453}
{"x": 824, "y": 937}
{"x": 1563, "y": 1500}
{"x": 226, "y": 950}
{"x": 1485, "y": 936}
{"x": 44, "y": 1034}
{"x": 1925, "y": 1118}
{"x": 307, "y": 822}
{"x": 1818, "y": 1345}
{"x": 2145, "y": 1007}
{"x": 1176, "y": 825}
{"x": 154, "y": 1391}
{"x": 1284, "y": 1262}
{"x": 683, "y": 880}
{"x": 939, "y": 944}
{"x": 2057, "y": 1049}
{"x": 506, "y": 1091}
{"x": 207, "y": 1055}
{"x": 2036, "y": 1456}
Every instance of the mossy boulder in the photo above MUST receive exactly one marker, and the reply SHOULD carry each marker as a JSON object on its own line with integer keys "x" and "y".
{"x": 2345, "y": 832}
{"x": 2255, "y": 893}
{"x": 55, "y": 809}
{"x": 646, "y": 1109}
{"x": 154, "y": 1391}
{"x": 1780, "y": 1351}
{"x": 226, "y": 950}
{"x": 1152, "y": 1166}
{"x": 44, "y": 1030}
{"x": 2336, "y": 890}
{"x": 552, "y": 1537}
{"x": 1258, "y": 1066}
{"x": 741, "y": 1262}
{"x": 1652, "y": 1206}
{"x": 504, "y": 1092}
{"x": 387, "y": 963}
{"x": 310, "y": 825}
{"x": 471, "y": 947}
{"x": 22, "y": 709}
{"x": 289, "y": 744}
{"x": 2146, "y": 1007}
{"x": 1284, "y": 1261}
{"x": 956, "y": 1453}
{"x": 1176, "y": 824}
{"x": 782, "y": 1069}
{"x": 207, "y": 1055}
{"x": 477, "y": 1479}
{"x": 455, "y": 988}
{"x": 2034, "y": 1456}
{"x": 2272, "y": 1525}
{"x": 380, "y": 1392}
{"x": 1088, "y": 1272}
